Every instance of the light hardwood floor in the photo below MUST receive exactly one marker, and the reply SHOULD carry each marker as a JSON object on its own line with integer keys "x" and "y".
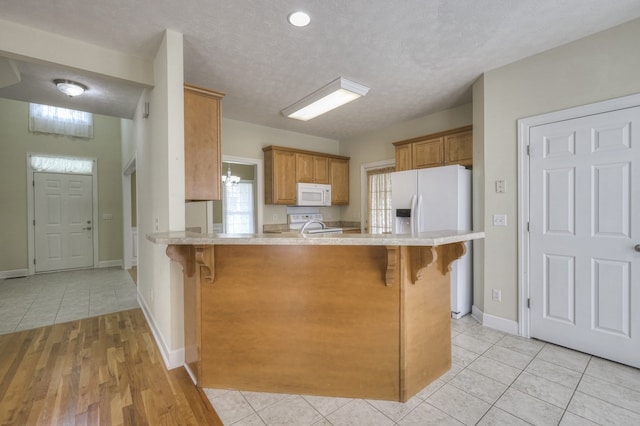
{"x": 103, "y": 370}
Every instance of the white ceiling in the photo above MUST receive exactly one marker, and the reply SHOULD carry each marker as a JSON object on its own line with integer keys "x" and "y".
{"x": 417, "y": 56}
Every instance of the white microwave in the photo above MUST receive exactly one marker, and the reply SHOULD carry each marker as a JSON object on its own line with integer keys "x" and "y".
{"x": 313, "y": 194}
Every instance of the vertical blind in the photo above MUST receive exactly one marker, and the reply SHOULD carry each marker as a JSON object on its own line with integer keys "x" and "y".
{"x": 379, "y": 200}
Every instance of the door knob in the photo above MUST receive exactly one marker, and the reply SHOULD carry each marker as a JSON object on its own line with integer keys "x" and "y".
{"x": 637, "y": 247}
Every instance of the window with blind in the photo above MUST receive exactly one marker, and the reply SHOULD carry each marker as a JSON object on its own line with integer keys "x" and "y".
{"x": 238, "y": 208}
{"x": 379, "y": 200}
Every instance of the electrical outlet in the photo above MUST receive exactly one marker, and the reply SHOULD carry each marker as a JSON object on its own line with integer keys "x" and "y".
{"x": 499, "y": 220}
{"x": 156, "y": 224}
{"x": 275, "y": 217}
{"x": 496, "y": 295}
{"x": 501, "y": 186}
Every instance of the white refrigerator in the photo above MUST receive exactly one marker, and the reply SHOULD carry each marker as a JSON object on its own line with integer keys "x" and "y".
{"x": 434, "y": 199}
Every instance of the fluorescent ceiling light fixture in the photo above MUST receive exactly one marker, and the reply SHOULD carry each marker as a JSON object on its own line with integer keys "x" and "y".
{"x": 299, "y": 19}
{"x": 70, "y": 88}
{"x": 337, "y": 93}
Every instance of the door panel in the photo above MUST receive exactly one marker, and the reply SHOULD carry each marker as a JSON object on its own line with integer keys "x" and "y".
{"x": 584, "y": 223}
{"x": 63, "y": 206}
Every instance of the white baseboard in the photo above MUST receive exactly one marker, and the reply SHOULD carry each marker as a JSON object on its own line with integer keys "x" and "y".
{"x": 109, "y": 263}
{"x": 15, "y": 273}
{"x": 172, "y": 359}
{"x": 497, "y": 323}
{"x": 476, "y": 313}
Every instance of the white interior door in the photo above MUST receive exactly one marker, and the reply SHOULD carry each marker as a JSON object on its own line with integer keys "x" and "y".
{"x": 63, "y": 206}
{"x": 584, "y": 226}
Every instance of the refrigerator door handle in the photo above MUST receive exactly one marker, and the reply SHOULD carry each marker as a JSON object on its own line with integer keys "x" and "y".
{"x": 412, "y": 219}
{"x": 419, "y": 214}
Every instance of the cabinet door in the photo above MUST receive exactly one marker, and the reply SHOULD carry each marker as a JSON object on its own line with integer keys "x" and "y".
{"x": 427, "y": 153}
{"x": 304, "y": 168}
{"x": 284, "y": 182}
{"x": 403, "y": 157}
{"x": 458, "y": 148}
{"x": 202, "y": 153}
{"x": 320, "y": 169}
{"x": 339, "y": 179}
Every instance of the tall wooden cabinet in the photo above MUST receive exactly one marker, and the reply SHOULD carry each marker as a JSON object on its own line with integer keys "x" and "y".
{"x": 438, "y": 149}
{"x": 202, "y": 151}
{"x": 285, "y": 167}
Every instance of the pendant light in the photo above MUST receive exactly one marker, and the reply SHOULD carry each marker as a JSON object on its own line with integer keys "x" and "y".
{"x": 228, "y": 179}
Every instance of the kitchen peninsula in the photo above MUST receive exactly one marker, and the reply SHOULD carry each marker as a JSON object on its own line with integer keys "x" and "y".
{"x": 348, "y": 315}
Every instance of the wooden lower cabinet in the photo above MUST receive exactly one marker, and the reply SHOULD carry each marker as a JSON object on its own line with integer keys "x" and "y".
{"x": 438, "y": 149}
{"x": 345, "y": 321}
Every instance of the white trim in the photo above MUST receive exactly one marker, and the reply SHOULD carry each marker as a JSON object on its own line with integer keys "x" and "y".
{"x": 497, "y": 323}
{"x": 364, "y": 167}
{"x": 193, "y": 376}
{"x": 31, "y": 207}
{"x": 14, "y": 273}
{"x": 259, "y": 173}
{"x": 477, "y": 314}
{"x": 127, "y": 238}
{"x": 524, "y": 128}
{"x": 109, "y": 263}
{"x": 172, "y": 359}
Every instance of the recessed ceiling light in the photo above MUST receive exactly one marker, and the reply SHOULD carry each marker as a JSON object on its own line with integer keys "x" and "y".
{"x": 299, "y": 19}
{"x": 70, "y": 88}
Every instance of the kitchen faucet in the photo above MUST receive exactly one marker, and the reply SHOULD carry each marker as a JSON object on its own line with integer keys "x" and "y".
{"x": 309, "y": 222}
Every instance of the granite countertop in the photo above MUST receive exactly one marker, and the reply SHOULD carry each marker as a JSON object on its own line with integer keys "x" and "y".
{"x": 434, "y": 238}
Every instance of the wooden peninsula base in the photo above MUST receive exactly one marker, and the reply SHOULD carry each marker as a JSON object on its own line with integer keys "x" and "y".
{"x": 358, "y": 321}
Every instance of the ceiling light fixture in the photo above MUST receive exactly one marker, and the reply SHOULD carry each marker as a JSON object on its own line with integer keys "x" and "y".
{"x": 70, "y": 88}
{"x": 230, "y": 180}
{"x": 337, "y": 93}
{"x": 299, "y": 19}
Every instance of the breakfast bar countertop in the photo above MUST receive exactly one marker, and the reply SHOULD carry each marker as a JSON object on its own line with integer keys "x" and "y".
{"x": 433, "y": 238}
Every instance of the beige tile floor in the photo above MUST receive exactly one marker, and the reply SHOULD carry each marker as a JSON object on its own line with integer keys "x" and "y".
{"x": 496, "y": 379}
{"x": 45, "y": 299}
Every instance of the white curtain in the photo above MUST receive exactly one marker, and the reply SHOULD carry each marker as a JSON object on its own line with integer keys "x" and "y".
{"x": 379, "y": 204}
{"x": 40, "y": 163}
{"x": 61, "y": 121}
{"x": 238, "y": 208}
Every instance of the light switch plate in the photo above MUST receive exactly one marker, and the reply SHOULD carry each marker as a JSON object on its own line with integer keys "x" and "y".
{"x": 499, "y": 220}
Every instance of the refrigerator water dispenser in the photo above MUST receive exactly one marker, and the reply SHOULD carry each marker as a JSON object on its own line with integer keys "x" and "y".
{"x": 403, "y": 221}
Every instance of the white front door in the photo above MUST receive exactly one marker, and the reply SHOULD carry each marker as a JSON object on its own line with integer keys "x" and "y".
{"x": 63, "y": 221}
{"x": 584, "y": 226}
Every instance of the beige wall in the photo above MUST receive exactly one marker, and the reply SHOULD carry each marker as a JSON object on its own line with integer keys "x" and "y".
{"x": 603, "y": 66}
{"x": 377, "y": 146}
{"x": 16, "y": 141}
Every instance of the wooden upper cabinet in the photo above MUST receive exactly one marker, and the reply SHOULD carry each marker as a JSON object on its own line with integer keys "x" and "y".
{"x": 403, "y": 158}
{"x": 202, "y": 151}
{"x": 279, "y": 185}
{"x": 458, "y": 148}
{"x": 427, "y": 153}
{"x": 312, "y": 168}
{"x": 439, "y": 149}
{"x": 339, "y": 179}
{"x": 285, "y": 167}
